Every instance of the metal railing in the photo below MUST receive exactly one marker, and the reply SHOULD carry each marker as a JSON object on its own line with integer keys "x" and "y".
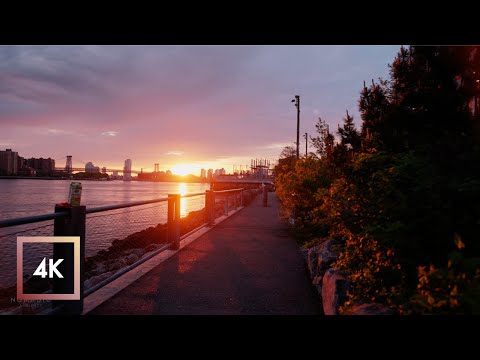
{"x": 72, "y": 221}
{"x": 30, "y": 219}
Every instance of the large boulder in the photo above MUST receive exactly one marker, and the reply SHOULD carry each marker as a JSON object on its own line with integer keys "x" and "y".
{"x": 99, "y": 269}
{"x": 130, "y": 259}
{"x": 97, "y": 279}
{"x": 117, "y": 264}
{"x": 334, "y": 291}
{"x": 370, "y": 309}
{"x": 137, "y": 251}
{"x": 152, "y": 247}
{"x": 320, "y": 258}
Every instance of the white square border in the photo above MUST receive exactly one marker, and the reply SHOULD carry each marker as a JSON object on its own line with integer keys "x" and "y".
{"x": 76, "y": 266}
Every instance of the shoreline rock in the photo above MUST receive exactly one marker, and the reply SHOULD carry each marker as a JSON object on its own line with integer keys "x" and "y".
{"x": 319, "y": 258}
{"x": 370, "y": 309}
{"x": 332, "y": 285}
{"x": 334, "y": 291}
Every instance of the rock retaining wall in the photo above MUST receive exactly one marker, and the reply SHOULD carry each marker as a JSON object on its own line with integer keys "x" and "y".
{"x": 332, "y": 286}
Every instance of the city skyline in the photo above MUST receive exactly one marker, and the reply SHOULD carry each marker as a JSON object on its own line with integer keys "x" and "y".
{"x": 13, "y": 164}
{"x": 184, "y": 107}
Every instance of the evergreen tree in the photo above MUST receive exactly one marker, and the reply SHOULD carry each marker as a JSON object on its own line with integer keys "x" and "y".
{"x": 428, "y": 107}
{"x": 373, "y": 106}
{"x": 349, "y": 135}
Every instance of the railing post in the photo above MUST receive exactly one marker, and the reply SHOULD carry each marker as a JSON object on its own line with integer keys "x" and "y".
{"x": 265, "y": 196}
{"x": 176, "y": 244}
{"x": 226, "y": 205}
{"x": 71, "y": 225}
{"x": 235, "y": 195}
{"x": 209, "y": 207}
{"x": 213, "y": 207}
{"x": 173, "y": 221}
{"x": 170, "y": 217}
{"x": 241, "y": 197}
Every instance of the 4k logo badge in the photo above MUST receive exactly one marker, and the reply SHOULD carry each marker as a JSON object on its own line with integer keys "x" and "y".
{"x": 47, "y": 268}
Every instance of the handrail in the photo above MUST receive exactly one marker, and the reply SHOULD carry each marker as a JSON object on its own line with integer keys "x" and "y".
{"x": 124, "y": 205}
{"x": 227, "y": 191}
{"x": 191, "y": 195}
{"x": 52, "y": 216}
{"x": 31, "y": 219}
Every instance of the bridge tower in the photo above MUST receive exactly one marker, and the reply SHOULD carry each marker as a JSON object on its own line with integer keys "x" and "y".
{"x": 68, "y": 165}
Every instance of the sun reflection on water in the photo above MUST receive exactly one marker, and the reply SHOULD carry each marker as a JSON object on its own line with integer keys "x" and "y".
{"x": 182, "y": 190}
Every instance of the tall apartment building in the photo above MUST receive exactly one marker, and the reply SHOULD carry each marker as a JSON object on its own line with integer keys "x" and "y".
{"x": 43, "y": 166}
{"x": 8, "y": 162}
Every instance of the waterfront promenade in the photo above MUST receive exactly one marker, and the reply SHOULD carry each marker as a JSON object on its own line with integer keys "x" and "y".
{"x": 247, "y": 264}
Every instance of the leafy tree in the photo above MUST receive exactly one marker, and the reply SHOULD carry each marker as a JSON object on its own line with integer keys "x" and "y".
{"x": 324, "y": 142}
{"x": 287, "y": 160}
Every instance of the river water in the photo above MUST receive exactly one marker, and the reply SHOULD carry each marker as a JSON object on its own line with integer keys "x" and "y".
{"x": 24, "y": 197}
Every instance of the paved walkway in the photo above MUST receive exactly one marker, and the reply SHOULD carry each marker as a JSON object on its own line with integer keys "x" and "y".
{"x": 245, "y": 265}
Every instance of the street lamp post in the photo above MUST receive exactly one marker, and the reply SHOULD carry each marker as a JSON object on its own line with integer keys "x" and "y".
{"x": 306, "y": 143}
{"x": 297, "y": 105}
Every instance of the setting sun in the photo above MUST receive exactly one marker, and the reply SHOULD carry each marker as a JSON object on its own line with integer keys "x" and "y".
{"x": 184, "y": 169}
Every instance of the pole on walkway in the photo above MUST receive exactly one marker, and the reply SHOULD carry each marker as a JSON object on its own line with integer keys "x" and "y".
{"x": 213, "y": 205}
{"x": 306, "y": 144}
{"x": 176, "y": 245}
{"x": 71, "y": 225}
{"x": 209, "y": 207}
{"x": 173, "y": 221}
{"x": 265, "y": 195}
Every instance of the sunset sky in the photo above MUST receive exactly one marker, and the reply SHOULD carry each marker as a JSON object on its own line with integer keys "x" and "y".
{"x": 184, "y": 107}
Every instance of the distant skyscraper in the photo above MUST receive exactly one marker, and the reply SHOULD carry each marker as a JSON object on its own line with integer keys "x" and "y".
{"x": 156, "y": 167}
{"x": 127, "y": 170}
{"x": 203, "y": 173}
{"x": 210, "y": 173}
{"x": 104, "y": 170}
{"x": 8, "y": 162}
{"x": 222, "y": 171}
